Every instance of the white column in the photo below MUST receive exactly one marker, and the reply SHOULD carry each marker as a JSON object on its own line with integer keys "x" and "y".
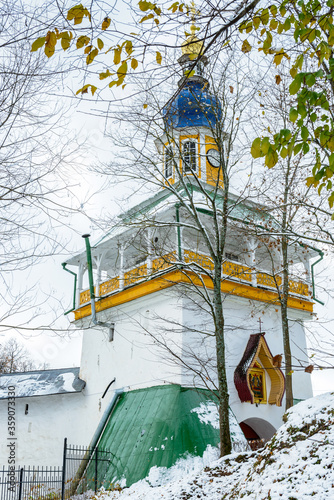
{"x": 306, "y": 263}
{"x": 149, "y": 251}
{"x": 121, "y": 267}
{"x": 277, "y": 259}
{"x": 252, "y": 246}
{"x": 202, "y": 159}
{"x": 82, "y": 269}
{"x": 98, "y": 261}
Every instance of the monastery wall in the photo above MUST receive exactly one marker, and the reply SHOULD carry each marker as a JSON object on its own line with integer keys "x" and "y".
{"x": 40, "y": 433}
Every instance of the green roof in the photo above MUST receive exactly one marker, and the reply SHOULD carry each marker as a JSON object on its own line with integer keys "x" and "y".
{"x": 156, "y": 427}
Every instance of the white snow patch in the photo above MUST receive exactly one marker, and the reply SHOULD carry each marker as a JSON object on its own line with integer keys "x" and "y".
{"x": 207, "y": 414}
{"x": 159, "y": 476}
{"x": 68, "y": 379}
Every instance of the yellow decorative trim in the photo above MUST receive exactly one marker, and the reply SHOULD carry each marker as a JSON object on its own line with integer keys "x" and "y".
{"x": 298, "y": 287}
{"x": 85, "y": 296}
{"x": 212, "y": 172}
{"x": 237, "y": 271}
{"x": 294, "y": 286}
{"x": 135, "y": 274}
{"x": 268, "y": 280}
{"x": 201, "y": 260}
{"x": 164, "y": 262}
{"x": 174, "y": 277}
{"x": 109, "y": 286}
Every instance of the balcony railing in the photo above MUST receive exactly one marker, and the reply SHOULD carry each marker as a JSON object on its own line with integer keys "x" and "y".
{"x": 233, "y": 271}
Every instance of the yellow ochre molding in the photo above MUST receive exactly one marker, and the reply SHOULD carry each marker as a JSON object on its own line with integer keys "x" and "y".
{"x": 174, "y": 277}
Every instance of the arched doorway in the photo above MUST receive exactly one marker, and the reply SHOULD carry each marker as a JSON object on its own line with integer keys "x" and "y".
{"x": 257, "y": 431}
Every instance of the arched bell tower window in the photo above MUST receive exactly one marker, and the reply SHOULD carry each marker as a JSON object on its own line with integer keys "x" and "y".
{"x": 189, "y": 156}
{"x": 168, "y": 162}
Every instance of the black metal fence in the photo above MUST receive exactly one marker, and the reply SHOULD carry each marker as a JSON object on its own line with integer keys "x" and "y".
{"x": 83, "y": 469}
{"x": 31, "y": 483}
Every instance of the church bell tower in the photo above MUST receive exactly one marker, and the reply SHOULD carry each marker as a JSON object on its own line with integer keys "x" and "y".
{"x": 193, "y": 134}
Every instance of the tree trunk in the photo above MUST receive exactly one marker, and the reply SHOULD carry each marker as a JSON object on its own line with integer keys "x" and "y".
{"x": 224, "y": 422}
{"x": 285, "y": 326}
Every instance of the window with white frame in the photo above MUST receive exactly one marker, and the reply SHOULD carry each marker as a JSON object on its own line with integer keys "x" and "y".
{"x": 168, "y": 162}
{"x": 189, "y": 156}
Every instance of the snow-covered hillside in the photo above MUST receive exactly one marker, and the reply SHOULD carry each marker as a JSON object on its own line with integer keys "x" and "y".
{"x": 296, "y": 464}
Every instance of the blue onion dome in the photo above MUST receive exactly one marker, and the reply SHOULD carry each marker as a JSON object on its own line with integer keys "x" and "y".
{"x": 193, "y": 105}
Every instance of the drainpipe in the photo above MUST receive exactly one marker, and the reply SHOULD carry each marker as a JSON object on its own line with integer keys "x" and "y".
{"x": 105, "y": 418}
{"x": 86, "y": 460}
{"x": 110, "y": 326}
{"x": 64, "y": 264}
{"x": 312, "y": 274}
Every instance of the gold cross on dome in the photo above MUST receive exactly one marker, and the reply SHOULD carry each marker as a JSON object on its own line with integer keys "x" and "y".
{"x": 194, "y": 11}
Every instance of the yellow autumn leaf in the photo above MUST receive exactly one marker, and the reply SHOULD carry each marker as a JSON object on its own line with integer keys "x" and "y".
{"x": 246, "y": 47}
{"x": 271, "y": 158}
{"x": 37, "y": 44}
{"x": 144, "y": 5}
{"x": 50, "y": 43}
{"x": 84, "y": 89}
{"x": 117, "y": 55}
{"x": 65, "y": 40}
{"x": 278, "y": 57}
{"x": 91, "y": 56}
{"x": 82, "y": 40}
{"x": 145, "y": 106}
{"x": 293, "y": 72}
{"x": 100, "y": 43}
{"x": 77, "y": 13}
{"x": 256, "y": 22}
{"x": 106, "y": 23}
{"x": 49, "y": 51}
{"x": 146, "y": 18}
{"x": 158, "y": 57}
{"x": 128, "y": 47}
{"x": 51, "y": 39}
{"x": 134, "y": 63}
{"x": 256, "y": 148}
{"x": 105, "y": 74}
{"x": 122, "y": 70}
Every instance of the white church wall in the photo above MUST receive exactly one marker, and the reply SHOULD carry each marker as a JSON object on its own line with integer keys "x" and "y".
{"x": 241, "y": 321}
{"x": 133, "y": 358}
{"x": 302, "y": 386}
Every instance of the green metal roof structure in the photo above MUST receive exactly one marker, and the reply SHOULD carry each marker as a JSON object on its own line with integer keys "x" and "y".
{"x": 157, "y": 426}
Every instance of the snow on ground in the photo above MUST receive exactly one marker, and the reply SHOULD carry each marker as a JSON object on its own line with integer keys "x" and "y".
{"x": 296, "y": 464}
